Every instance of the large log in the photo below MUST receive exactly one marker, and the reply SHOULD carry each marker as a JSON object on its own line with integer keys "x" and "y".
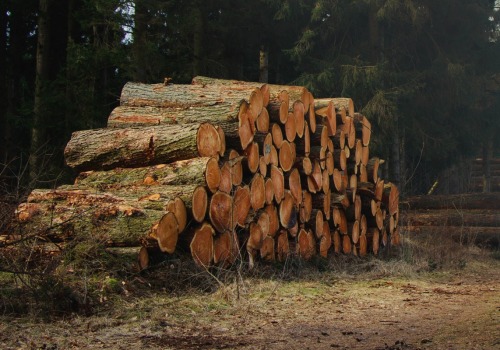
{"x": 196, "y": 171}
{"x": 185, "y": 96}
{"x": 457, "y": 201}
{"x": 117, "y": 218}
{"x": 132, "y": 147}
{"x": 272, "y": 94}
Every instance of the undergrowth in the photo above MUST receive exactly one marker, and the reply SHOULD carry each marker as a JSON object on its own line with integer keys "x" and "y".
{"x": 86, "y": 278}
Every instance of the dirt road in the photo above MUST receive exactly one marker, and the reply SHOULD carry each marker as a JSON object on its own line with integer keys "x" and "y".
{"x": 440, "y": 310}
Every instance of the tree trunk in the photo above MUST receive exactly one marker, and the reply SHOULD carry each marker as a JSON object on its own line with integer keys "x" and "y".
{"x": 395, "y": 163}
{"x": 487, "y": 156}
{"x": 263, "y": 64}
{"x": 42, "y": 77}
{"x": 139, "y": 45}
{"x": 198, "y": 30}
{"x": 3, "y": 82}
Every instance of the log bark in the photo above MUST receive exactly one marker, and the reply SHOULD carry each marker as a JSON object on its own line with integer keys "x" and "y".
{"x": 197, "y": 171}
{"x": 117, "y": 218}
{"x": 134, "y": 147}
{"x": 191, "y": 95}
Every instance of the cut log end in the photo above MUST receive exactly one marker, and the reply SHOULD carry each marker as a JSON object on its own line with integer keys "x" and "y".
{"x": 245, "y": 126}
{"x": 282, "y": 246}
{"x": 178, "y": 207}
{"x": 200, "y": 203}
{"x": 221, "y": 215}
{"x": 258, "y": 192}
{"x": 212, "y": 175}
{"x": 242, "y": 205}
{"x": 287, "y": 211}
{"x": 286, "y": 156}
{"x": 167, "y": 233}
{"x": 208, "y": 141}
{"x": 202, "y": 245}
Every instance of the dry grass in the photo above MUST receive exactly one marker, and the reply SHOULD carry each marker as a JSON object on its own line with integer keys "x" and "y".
{"x": 87, "y": 279}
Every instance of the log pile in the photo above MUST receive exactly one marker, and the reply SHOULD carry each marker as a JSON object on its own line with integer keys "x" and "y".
{"x": 468, "y": 217}
{"x": 223, "y": 169}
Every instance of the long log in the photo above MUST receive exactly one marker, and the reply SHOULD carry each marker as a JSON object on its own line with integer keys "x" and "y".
{"x": 452, "y": 217}
{"x": 185, "y": 96}
{"x": 117, "y": 219}
{"x": 271, "y": 92}
{"x": 458, "y": 201}
{"x": 132, "y": 147}
{"x": 197, "y": 171}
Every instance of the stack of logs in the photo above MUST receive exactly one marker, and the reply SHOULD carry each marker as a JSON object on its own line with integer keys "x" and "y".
{"x": 219, "y": 165}
{"x": 466, "y": 217}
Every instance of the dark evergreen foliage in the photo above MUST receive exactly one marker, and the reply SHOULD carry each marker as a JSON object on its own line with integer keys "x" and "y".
{"x": 425, "y": 72}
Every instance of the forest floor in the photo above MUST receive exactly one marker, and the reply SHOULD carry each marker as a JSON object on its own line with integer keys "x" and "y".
{"x": 378, "y": 304}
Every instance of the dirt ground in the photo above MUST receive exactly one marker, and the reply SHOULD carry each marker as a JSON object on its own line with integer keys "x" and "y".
{"x": 452, "y": 309}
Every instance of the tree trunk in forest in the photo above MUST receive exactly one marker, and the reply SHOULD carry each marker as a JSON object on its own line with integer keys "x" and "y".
{"x": 198, "y": 30}
{"x": 3, "y": 82}
{"x": 139, "y": 52}
{"x": 487, "y": 156}
{"x": 71, "y": 27}
{"x": 395, "y": 164}
{"x": 263, "y": 64}
{"x": 42, "y": 76}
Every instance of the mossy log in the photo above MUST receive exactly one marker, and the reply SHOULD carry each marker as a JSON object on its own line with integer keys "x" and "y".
{"x": 197, "y": 171}
{"x": 117, "y": 218}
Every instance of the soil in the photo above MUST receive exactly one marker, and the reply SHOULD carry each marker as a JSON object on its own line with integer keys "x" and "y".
{"x": 458, "y": 309}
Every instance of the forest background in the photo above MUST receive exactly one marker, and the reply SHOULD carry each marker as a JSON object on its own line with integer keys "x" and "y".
{"x": 425, "y": 72}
